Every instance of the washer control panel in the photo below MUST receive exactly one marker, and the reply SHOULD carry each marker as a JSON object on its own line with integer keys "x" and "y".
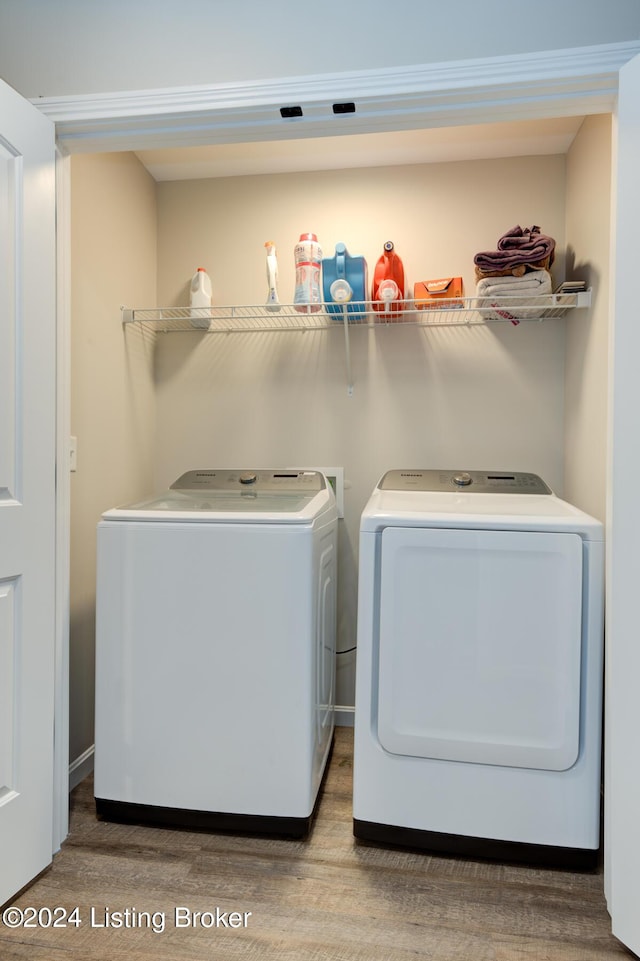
{"x": 481, "y": 482}
{"x": 247, "y": 479}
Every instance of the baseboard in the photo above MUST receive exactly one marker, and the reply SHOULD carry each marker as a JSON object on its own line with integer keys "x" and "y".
{"x": 81, "y": 767}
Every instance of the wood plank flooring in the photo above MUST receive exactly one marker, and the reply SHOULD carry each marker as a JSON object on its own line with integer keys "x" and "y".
{"x": 329, "y": 898}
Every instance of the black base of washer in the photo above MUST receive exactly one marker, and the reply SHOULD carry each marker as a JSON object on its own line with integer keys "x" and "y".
{"x": 578, "y": 859}
{"x": 130, "y": 813}
{"x": 127, "y": 812}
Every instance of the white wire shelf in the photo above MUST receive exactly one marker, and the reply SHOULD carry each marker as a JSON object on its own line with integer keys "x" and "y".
{"x": 465, "y": 311}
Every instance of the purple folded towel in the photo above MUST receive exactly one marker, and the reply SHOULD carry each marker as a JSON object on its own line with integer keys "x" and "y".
{"x": 518, "y": 247}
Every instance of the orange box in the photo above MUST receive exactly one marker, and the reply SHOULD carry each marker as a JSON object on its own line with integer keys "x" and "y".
{"x": 443, "y": 293}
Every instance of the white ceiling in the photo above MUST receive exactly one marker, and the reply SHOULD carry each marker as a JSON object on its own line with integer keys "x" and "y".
{"x": 433, "y": 145}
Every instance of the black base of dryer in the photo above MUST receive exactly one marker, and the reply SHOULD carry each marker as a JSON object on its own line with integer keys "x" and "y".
{"x": 544, "y": 855}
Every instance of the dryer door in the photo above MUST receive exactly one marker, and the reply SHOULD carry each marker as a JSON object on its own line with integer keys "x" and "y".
{"x": 479, "y": 647}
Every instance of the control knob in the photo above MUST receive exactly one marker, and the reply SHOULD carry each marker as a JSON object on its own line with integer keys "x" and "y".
{"x": 462, "y": 480}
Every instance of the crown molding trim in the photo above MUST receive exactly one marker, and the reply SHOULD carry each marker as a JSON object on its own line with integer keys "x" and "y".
{"x": 577, "y": 80}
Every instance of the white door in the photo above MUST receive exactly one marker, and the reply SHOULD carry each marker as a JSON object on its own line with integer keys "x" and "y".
{"x": 622, "y": 717}
{"x": 27, "y": 489}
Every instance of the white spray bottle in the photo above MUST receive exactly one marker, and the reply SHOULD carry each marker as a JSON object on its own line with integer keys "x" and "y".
{"x": 272, "y": 277}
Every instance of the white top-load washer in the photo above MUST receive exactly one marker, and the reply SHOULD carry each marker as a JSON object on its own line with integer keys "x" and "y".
{"x": 479, "y": 669}
{"x": 215, "y": 651}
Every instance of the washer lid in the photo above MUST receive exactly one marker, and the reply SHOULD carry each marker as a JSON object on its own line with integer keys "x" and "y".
{"x": 286, "y": 496}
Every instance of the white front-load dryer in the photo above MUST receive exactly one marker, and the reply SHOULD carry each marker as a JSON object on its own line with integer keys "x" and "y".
{"x": 479, "y": 668}
{"x": 215, "y": 652}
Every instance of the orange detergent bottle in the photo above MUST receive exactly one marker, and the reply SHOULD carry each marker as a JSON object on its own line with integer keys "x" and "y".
{"x": 388, "y": 290}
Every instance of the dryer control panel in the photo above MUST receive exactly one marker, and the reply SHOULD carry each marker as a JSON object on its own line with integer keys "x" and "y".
{"x": 480, "y": 482}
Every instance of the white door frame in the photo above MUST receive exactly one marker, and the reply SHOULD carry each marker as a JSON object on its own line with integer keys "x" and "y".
{"x": 63, "y": 495}
{"x": 577, "y": 81}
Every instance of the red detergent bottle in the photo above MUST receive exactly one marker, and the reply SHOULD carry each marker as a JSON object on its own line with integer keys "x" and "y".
{"x": 388, "y": 290}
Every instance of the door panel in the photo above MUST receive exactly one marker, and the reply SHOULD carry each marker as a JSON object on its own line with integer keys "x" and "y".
{"x": 7, "y": 682}
{"x": 480, "y": 637}
{"x": 10, "y": 191}
{"x": 27, "y": 490}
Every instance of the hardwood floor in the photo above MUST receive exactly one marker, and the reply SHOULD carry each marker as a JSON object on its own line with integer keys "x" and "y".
{"x": 329, "y": 898}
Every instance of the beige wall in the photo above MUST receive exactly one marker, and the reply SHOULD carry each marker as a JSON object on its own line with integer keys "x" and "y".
{"x": 477, "y": 397}
{"x": 113, "y": 262}
{"x": 474, "y": 398}
{"x": 588, "y": 246}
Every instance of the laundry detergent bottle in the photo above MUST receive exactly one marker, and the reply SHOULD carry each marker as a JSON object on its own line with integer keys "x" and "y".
{"x": 388, "y": 289}
{"x": 308, "y": 257}
{"x": 200, "y": 299}
{"x": 344, "y": 279}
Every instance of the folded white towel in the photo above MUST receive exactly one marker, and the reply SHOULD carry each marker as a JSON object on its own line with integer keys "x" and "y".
{"x": 494, "y": 295}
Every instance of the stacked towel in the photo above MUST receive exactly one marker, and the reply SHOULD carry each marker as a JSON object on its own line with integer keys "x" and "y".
{"x": 494, "y": 295}
{"x": 518, "y": 251}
